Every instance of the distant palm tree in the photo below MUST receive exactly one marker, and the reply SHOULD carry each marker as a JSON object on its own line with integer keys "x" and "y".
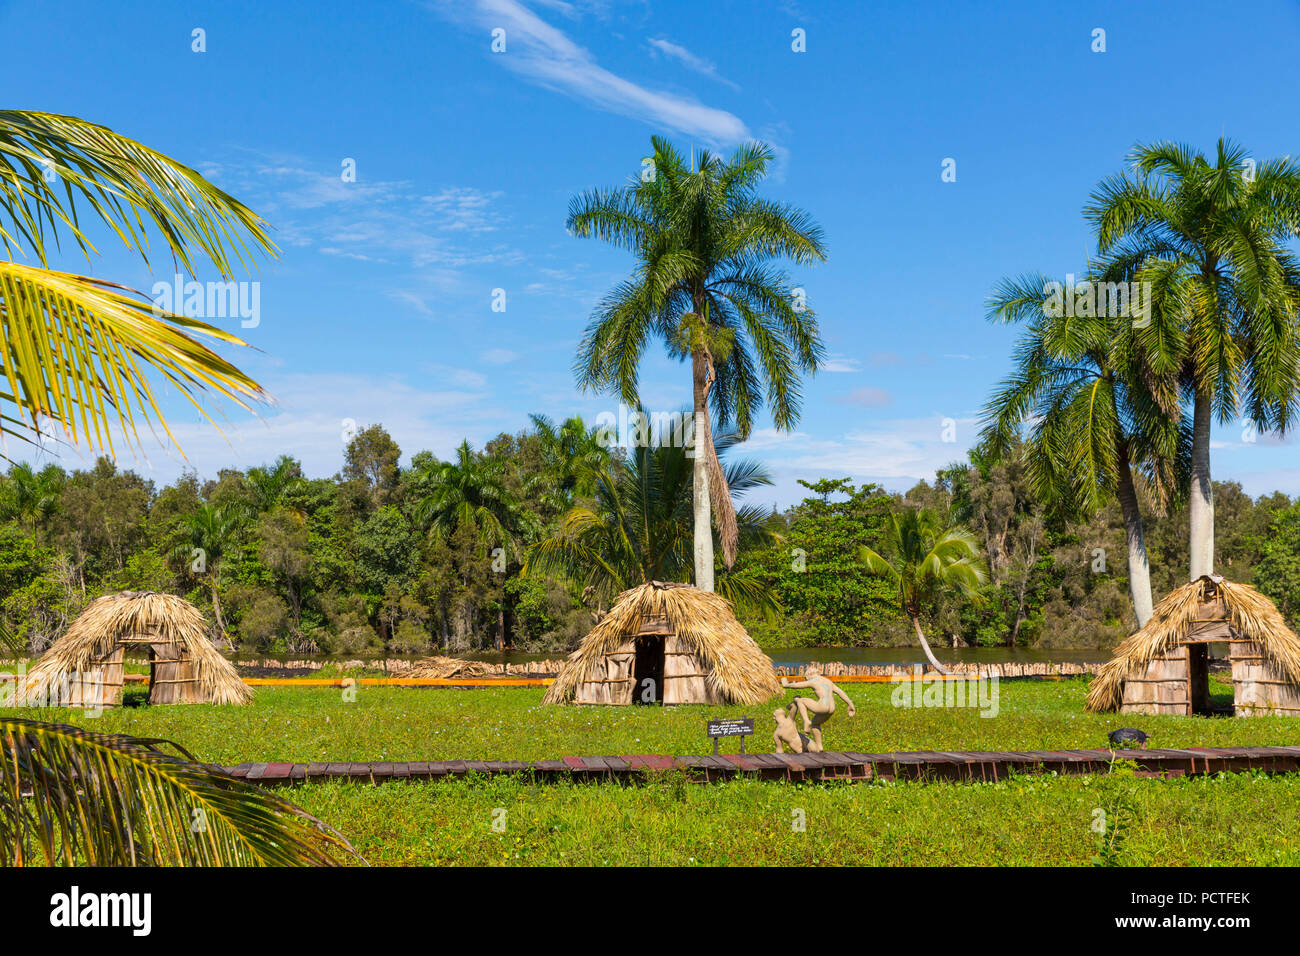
{"x": 925, "y": 558}
{"x": 572, "y": 454}
{"x": 640, "y": 527}
{"x": 30, "y": 496}
{"x": 205, "y": 535}
{"x": 268, "y": 484}
{"x": 1210, "y": 239}
{"x": 705, "y": 286}
{"x": 1094, "y": 416}
{"x": 471, "y": 491}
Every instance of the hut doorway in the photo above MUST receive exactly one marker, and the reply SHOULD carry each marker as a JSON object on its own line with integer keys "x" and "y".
{"x": 648, "y": 670}
{"x": 1198, "y": 679}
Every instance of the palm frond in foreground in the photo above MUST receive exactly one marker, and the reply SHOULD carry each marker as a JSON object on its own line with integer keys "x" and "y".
{"x": 71, "y": 797}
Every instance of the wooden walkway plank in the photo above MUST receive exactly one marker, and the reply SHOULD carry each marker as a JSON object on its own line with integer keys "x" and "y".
{"x": 744, "y": 763}
{"x": 967, "y": 765}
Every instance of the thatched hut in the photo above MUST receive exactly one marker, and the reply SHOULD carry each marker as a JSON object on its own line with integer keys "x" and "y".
{"x": 670, "y": 644}
{"x": 1164, "y": 668}
{"x": 84, "y": 667}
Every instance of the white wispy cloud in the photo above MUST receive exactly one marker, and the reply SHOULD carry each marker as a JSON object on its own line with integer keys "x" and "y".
{"x": 459, "y": 377}
{"x": 841, "y": 363}
{"x": 546, "y": 56}
{"x": 370, "y": 220}
{"x": 896, "y": 453}
{"x": 697, "y": 64}
{"x": 310, "y": 421}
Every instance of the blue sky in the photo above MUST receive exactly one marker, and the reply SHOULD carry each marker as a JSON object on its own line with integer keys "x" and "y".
{"x": 379, "y": 307}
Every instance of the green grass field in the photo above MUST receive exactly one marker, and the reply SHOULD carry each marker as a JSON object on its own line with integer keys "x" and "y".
{"x": 1230, "y": 819}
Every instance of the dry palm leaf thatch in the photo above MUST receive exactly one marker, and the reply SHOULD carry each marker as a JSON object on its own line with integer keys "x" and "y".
{"x": 1249, "y": 613}
{"x": 443, "y": 668}
{"x": 735, "y": 666}
{"x": 168, "y": 626}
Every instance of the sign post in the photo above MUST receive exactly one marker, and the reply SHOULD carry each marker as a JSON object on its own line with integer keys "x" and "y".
{"x": 740, "y": 727}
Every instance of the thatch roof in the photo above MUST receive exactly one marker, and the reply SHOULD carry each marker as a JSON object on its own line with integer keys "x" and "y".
{"x": 141, "y": 618}
{"x": 702, "y": 620}
{"x": 1249, "y": 613}
{"x": 443, "y": 668}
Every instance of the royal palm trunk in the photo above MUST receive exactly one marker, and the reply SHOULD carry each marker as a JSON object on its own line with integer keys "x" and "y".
{"x": 702, "y": 441}
{"x": 1139, "y": 571}
{"x": 1201, "y": 506}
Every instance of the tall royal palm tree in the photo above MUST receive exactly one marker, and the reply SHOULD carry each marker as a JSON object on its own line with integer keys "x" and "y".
{"x": 78, "y": 355}
{"x": 706, "y": 286}
{"x": 639, "y": 526}
{"x": 1209, "y": 237}
{"x": 1093, "y": 416}
{"x": 925, "y": 558}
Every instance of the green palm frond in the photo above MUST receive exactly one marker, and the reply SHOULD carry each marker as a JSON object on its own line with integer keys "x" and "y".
{"x": 77, "y": 350}
{"x": 877, "y": 565}
{"x": 127, "y": 185}
{"x": 71, "y": 797}
{"x": 925, "y": 557}
{"x": 639, "y": 526}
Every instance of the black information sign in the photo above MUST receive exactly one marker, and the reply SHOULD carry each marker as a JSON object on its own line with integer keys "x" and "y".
{"x": 740, "y": 727}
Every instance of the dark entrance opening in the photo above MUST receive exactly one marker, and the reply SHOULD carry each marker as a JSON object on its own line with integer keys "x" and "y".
{"x": 1198, "y": 678}
{"x": 1222, "y": 700}
{"x": 648, "y": 671}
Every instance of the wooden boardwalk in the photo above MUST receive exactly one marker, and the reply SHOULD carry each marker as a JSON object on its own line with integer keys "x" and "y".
{"x": 961, "y": 765}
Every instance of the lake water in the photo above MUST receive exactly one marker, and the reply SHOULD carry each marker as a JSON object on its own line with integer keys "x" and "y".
{"x": 867, "y": 655}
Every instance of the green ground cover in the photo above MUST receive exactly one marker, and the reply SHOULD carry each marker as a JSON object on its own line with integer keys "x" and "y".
{"x": 510, "y": 723}
{"x": 1048, "y": 821}
{"x": 1229, "y": 819}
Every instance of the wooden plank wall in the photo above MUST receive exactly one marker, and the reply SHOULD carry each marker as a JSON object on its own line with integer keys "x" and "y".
{"x": 685, "y": 679}
{"x": 610, "y": 679}
{"x": 1159, "y": 688}
{"x": 1258, "y": 687}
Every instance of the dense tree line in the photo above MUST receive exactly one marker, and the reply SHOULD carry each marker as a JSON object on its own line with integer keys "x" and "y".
{"x": 445, "y": 555}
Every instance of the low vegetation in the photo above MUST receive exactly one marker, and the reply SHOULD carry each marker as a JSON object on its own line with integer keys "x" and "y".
{"x": 392, "y": 723}
{"x": 1229, "y": 819}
